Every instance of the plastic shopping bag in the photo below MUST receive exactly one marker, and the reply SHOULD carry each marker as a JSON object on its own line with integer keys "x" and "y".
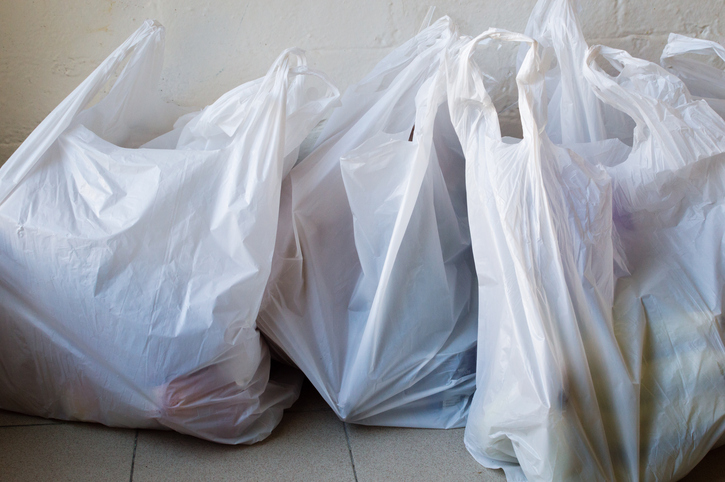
{"x": 540, "y": 221}
{"x": 595, "y": 365}
{"x": 131, "y": 277}
{"x": 372, "y": 293}
{"x": 669, "y": 210}
{"x": 699, "y": 64}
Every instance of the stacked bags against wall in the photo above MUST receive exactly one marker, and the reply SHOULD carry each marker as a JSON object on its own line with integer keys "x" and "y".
{"x": 142, "y": 246}
{"x": 373, "y": 288}
{"x": 600, "y": 268}
{"x": 135, "y": 254}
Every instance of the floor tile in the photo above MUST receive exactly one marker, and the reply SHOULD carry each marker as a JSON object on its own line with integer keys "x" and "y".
{"x": 402, "y": 454}
{"x": 305, "y": 446}
{"x": 9, "y": 419}
{"x": 710, "y": 469}
{"x": 65, "y": 452}
{"x": 310, "y": 400}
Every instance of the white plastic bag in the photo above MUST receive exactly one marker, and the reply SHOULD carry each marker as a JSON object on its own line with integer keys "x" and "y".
{"x": 372, "y": 293}
{"x": 669, "y": 211}
{"x": 131, "y": 278}
{"x": 541, "y": 228}
{"x": 587, "y": 371}
{"x": 695, "y": 62}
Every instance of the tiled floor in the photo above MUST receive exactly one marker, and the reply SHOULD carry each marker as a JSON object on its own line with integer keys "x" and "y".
{"x": 310, "y": 444}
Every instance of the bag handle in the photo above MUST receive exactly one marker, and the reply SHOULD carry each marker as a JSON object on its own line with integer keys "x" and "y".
{"x": 226, "y": 114}
{"x": 635, "y": 99}
{"x": 681, "y": 45}
{"x": 702, "y": 78}
{"x": 529, "y": 80}
{"x": 555, "y": 25}
{"x": 17, "y": 167}
{"x": 661, "y": 107}
{"x": 307, "y": 115}
{"x": 428, "y": 18}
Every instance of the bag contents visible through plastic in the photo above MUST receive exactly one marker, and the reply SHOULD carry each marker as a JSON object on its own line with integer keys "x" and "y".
{"x": 600, "y": 266}
{"x": 373, "y": 290}
{"x": 573, "y": 278}
{"x": 135, "y": 255}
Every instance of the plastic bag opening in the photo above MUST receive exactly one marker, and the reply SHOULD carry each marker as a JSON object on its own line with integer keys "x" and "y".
{"x": 499, "y": 79}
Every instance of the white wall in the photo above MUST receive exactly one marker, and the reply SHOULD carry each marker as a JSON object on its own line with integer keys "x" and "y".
{"x": 47, "y": 47}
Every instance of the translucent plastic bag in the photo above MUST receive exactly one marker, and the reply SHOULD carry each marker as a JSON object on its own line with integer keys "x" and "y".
{"x": 699, "y": 64}
{"x": 574, "y": 113}
{"x": 669, "y": 212}
{"x": 540, "y": 221}
{"x": 600, "y": 348}
{"x": 373, "y": 287}
{"x": 131, "y": 277}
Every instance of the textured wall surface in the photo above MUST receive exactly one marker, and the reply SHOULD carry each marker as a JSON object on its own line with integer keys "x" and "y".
{"x": 48, "y": 47}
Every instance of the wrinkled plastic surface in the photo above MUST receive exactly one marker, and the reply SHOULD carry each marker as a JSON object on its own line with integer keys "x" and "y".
{"x": 573, "y": 114}
{"x": 669, "y": 212}
{"x": 373, "y": 291}
{"x": 601, "y": 350}
{"x": 695, "y": 62}
{"x": 131, "y": 277}
{"x": 540, "y": 218}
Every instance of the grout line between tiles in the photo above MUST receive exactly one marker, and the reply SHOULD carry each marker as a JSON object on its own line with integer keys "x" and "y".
{"x": 349, "y": 449}
{"x": 133, "y": 457}
{"x": 312, "y": 410}
{"x": 33, "y": 424}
